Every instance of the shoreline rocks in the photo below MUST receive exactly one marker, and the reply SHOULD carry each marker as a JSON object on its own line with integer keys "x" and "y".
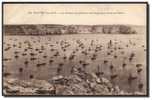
{"x": 60, "y": 85}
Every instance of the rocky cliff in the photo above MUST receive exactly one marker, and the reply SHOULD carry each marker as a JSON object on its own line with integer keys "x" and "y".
{"x": 54, "y": 29}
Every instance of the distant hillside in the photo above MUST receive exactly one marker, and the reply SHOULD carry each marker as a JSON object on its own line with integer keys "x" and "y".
{"x": 55, "y": 29}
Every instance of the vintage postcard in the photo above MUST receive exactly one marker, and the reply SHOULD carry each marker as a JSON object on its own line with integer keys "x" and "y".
{"x": 75, "y": 49}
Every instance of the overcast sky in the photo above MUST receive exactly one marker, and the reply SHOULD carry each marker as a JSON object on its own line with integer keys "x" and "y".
{"x": 88, "y": 14}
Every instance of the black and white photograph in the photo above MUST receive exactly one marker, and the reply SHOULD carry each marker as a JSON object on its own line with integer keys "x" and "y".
{"x": 75, "y": 49}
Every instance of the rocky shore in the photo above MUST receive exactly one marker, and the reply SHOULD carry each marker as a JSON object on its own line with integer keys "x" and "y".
{"x": 76, "y": 84}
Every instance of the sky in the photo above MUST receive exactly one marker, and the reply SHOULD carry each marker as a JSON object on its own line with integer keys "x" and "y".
{"x": 85, "y": 14}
